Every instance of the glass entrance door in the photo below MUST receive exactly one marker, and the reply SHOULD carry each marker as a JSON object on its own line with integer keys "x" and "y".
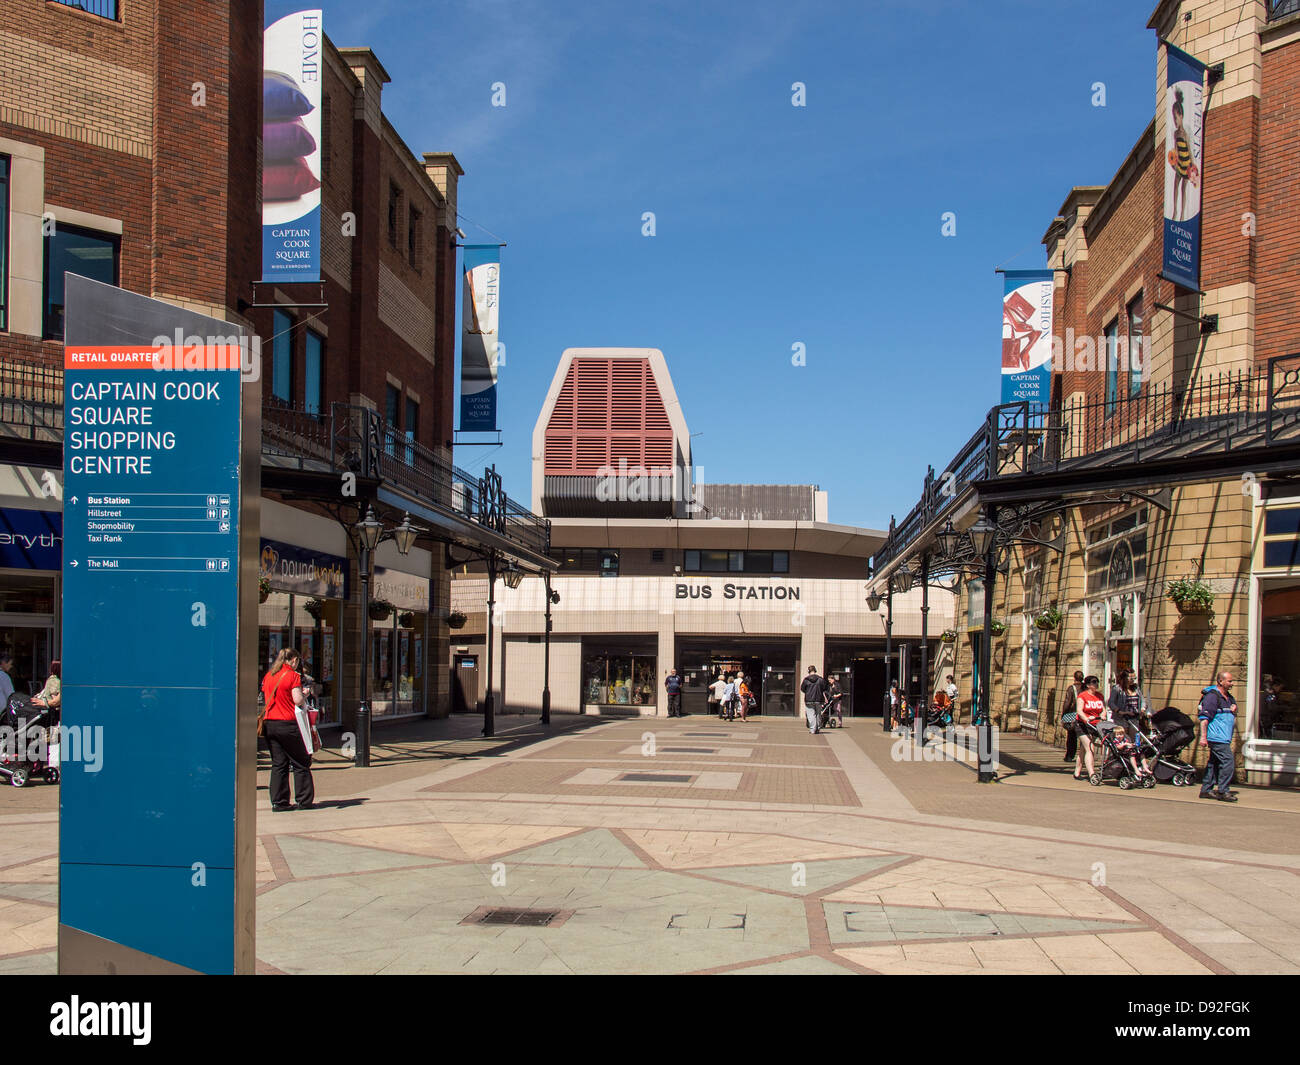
{"x": 31, "y": 642}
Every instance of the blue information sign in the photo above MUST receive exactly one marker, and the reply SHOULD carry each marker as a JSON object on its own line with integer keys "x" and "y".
{"x": 150, "y": 649}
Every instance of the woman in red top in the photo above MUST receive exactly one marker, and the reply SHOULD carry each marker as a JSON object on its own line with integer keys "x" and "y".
{"x": 282, "y": 691}
{"x": 1090, "y": 707}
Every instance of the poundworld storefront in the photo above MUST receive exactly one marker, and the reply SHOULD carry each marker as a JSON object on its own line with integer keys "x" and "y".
{"x": 614, "y": 640}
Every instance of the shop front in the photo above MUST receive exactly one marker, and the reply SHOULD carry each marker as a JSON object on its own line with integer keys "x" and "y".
{"x": 619, "y": 675}
{"x": 1272, "y": 688}
{"x": 399, "y": 635}
{"x": 302, "y": 594}
{"x": 31, "y": 550}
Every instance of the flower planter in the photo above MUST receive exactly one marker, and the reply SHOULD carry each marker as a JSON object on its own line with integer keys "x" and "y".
{"x": 1045, "y": 626}
{"x": 948, "y": 636}
{"x": 314, "y": 607}
{"x": 456, "y": 620}
{"x": 1191, "y": 607}
{"x": 380, "y": 611}
{"x": 406, "y": 619}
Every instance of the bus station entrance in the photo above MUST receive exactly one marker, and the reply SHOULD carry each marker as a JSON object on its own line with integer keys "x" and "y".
{"x": 768, "y": 667}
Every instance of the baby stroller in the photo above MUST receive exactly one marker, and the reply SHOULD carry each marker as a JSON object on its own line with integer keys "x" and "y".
{"x": 24, "y": 750}
{"x": 1172, "y": 731}
{"x": 830, "y": 712}
{"x": 1115, "y": 763}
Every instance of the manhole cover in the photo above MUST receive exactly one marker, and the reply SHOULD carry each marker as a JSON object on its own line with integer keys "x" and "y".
{"x": 658, "y": 778}
{"x": 520, "y": 917}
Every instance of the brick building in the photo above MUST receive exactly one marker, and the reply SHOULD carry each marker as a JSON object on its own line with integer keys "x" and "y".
{"x": 130, "y": 143}
{"x": 1233, "y": 533}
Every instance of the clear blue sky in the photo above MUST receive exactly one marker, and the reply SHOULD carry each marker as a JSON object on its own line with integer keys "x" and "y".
{"x": 775, "y": 224}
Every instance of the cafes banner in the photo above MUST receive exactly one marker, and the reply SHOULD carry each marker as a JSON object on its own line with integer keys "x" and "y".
{"x": 479, "y": 346}
{"x": 1184, "y": 114}
{"x": 1027, "y": 336}
{"x": 291, "y": 139}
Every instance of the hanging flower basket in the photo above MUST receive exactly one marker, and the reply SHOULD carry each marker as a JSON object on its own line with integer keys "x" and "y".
{"x": 380, "y": 609}
{"x": 406, "y": 619}
{"x": 948, "y": 636}
{"x": 314, "y": 607}
{"x": 998, "y": 628}
{"x": 1191, "y": 596}
{"x": 263, "y": 589}
{"x": 456, "y": 620}
{"x": 1048, "y": 620}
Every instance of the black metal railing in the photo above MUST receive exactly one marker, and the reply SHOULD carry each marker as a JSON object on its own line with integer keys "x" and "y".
{"x": 1281, "y": 8}
{"x": 1219, "y": 413}
{"x": 31, "y": 399}
{"x": 102, "y": 8}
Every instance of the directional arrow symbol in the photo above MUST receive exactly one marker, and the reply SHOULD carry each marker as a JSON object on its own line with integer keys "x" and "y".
{"x": 74, "y": 563}
{"x": 74, "y": 500}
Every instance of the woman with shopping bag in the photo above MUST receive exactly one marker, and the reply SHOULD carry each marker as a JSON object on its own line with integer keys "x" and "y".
{"x": 288, "y": 732}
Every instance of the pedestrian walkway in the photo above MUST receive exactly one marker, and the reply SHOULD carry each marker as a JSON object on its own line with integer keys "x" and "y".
{"x": 693, "y": 845}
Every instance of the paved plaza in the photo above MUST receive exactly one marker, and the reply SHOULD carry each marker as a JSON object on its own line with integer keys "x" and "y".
{"x": 697, "y": 846}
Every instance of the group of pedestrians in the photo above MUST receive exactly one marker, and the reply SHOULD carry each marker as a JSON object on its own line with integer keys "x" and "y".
{"x": 1086, "y": 714}
{"x": 730, "y": 695}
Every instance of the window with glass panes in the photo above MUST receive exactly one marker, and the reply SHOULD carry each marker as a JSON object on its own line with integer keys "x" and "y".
{"x": 74, "y": 250}
{"x": 282, "y": 356}
{"x": 1135, "y": 362}
{"x": 312, "y": 377}
{"x": 1112, "y": 364}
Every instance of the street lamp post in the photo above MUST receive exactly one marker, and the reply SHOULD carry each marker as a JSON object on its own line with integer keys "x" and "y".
{"x": 489, "y": 714}
{"x": 551, "y": 598}
{"x": 370, "y": 534}
{"x": 923, "y": 703}
{"x": 873, "y": 604}
{"x": 983, "y": 536}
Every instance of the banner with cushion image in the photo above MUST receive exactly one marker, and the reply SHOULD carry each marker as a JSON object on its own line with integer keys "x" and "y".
{"x": 291, "y": 141}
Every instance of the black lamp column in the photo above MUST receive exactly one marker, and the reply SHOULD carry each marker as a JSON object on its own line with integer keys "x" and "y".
{"x": 923, "y": 703}
{"x": 889, "y": 653}
{"x": 489, "y": 718}
{"x": 984, "y": 728}
{"x": 361, "y": 756}
{"x": 546, "y": 660}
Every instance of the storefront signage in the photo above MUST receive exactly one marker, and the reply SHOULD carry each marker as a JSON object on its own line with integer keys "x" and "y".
{"x": 31, "y": 539}
{"x": 1183, "y": 163}
{"x": 479, "y": 339}
{"x": 1027, "y": 336}
{"x": 743, "y": 592}
{"x": 306, "y": 572}
{"x": 291, "y": 136}
{"x": 151, "y": 567}
{"x": 406, "y": 591}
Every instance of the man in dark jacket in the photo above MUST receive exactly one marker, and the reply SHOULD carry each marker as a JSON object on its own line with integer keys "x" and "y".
{"x": 814, "y": 696}
{"x": 673, "y": 686}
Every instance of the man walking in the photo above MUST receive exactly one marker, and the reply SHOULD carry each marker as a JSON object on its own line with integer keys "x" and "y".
{"x": 814, "y": 695}
{"x": 673, "y": 685}
{"x": 1218, "y": 717}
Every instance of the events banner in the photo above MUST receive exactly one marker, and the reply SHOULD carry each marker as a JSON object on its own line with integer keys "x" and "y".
{"x": 479, "y": 339}
{"x": 291, "y": 139}
{"x": 1184, "y": 112}
{"x": 1027, "y": 337}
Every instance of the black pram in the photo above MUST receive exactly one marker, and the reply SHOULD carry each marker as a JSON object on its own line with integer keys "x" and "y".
{"x": 25, "y": 732}
{"x": 1172, "y": 731}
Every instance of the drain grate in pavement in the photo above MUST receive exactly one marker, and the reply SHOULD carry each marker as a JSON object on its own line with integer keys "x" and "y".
{"x": 505, "y": 915}
{"x": 658, "y": 778}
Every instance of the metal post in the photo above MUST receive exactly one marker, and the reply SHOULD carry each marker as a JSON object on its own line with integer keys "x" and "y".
{"x": 546, "y": 660}
{"x": 984, "y": 730}
{"x": 361, "y": 758}
{"x": 923, "y": 702}
{"x": 489, "y": 721}
{"x": 889, "y": 651}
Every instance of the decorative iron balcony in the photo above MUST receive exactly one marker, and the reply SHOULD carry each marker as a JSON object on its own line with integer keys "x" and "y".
{"x": 1210, "y": 421}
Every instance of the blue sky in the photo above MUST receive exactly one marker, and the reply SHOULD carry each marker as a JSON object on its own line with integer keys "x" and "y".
{"x": 776, "y": 224}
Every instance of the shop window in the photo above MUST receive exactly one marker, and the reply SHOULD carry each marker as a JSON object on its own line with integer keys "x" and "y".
{"x": 1281, "y": 538}
{"x": 619, "y": 680}
{"x": 1135, "y": 363}
{"x": 311, "y": 625}
{"x": 609, "y": 563}
{"x": 73, "y": 250}
{"x": 282, "y": 356}
{"x": 1279, "y": 664}
{"x": 397, "y": 650}
{"x": 392, "y": 409}
{"x": 1112, "y": 365}
{"x": 413, "y": 237}
{"x": 312, "y": 378}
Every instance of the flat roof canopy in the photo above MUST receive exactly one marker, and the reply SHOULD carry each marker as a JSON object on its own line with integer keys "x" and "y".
{"x": 818, "y": 537}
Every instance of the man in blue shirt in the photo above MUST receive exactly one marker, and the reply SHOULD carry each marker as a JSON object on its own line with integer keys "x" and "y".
{"x": 1218, "y": 717}
{"x": 673, "y": 685}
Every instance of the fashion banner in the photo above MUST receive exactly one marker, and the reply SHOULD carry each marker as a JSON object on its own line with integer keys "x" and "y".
{"x": 291, "y": 139}
{"x": 1184, "y": 112}
{"x": 1027, "y": 336}
{"x": 479, "y": 339}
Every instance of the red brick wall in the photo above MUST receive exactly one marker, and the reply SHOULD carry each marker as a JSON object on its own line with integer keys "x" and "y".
{"x": 1277, "y": 246}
